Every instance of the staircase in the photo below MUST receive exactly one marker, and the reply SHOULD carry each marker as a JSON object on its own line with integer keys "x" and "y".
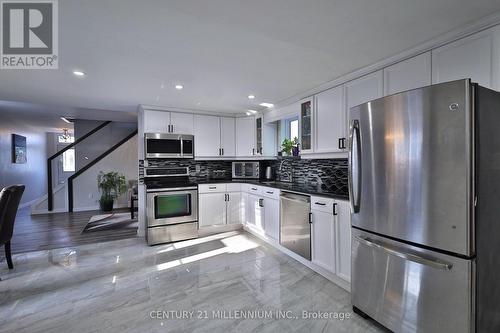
{"x": 94, "y": 146}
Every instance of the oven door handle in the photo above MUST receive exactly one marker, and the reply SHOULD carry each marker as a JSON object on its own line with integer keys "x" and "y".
{"x": 174, "y": 189}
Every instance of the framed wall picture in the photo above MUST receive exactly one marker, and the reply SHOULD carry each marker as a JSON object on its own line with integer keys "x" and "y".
{"x": 18, "y": 149}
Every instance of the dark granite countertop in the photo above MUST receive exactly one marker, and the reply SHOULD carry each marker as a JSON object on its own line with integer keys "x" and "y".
{"x": 311, "y": 189}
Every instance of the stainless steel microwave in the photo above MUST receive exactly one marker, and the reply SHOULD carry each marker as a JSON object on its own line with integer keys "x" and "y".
{"x": 249, "y": 170}
{"x": 161, "y": 145}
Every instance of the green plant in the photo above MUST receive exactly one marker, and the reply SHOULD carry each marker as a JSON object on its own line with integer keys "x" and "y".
{"x": 111, "y": 185}
{"x": 287, "y": 145}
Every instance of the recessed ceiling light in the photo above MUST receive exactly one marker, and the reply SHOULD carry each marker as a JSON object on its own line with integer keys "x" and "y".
{"x": 252, "y": 111}
{"x": 179, "y": 86}
{"x": 79, "y": 73}
{"x": 267, "y": 105}
{"x": 248, "y": 113}
{"x": 251, "y": 96}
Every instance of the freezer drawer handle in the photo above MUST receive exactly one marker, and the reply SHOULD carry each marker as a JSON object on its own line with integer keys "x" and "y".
{"x": 408, "y": 256}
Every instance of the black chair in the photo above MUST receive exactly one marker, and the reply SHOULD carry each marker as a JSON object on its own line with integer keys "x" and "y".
{"x": 9, "y": 203}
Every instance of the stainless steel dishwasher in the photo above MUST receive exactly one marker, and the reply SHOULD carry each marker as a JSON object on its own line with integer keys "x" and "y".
{"x": 295, "y": 223}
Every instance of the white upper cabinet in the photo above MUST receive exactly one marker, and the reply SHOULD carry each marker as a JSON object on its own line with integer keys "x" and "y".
{"x": 364, "y": 89}
{"x": 245, "y": 136}
{"x": 228, "y": 136}
{"x": 330, "y": 129}
{"x": 408, "y": 74}
{"x": 206, "y": 136}
{"x": 306, "y": 125}
{"x": 181, "y": 123}
{"x": 168, "y": 122}
{"x": 156, "y": 121}
{"x": 469, "y": 57}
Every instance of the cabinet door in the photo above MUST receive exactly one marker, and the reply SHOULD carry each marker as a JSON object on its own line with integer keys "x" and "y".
{"x": 156, "y": 121}
{"x": 252, "y": 202}
{"x": 212, "y": 209}
{"x": 272, "y": 218}
{"x": 330, "y": 121}
{"x": 228, "y": 136}
{"x": 258, "y": 136}
{"x": 362, "y": 90}
{"x": 206, "y": 136}
{"x": 469, "y": 57}
{"x": 409, "y": 74}
{"x": 234, "y": 208}
{"x": 343, "y": 240}
{"x": 182, "y": 123}
{"x": 323, "y": 239}
{"x": 306, "y": 126}
{"x": 245, "y": 136}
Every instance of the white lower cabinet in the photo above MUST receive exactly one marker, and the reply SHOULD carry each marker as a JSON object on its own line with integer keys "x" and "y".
{"x": 219, "y": 204}
{"x": 212, "y": 209}
{"x": 233, "y": 207}
{"x": 323, "y": 238}
{"x": 272, "y": 218}
{"x": 331, "y": 236}
{"x": 343, "y": 240}
{"x": 254, "y": 212}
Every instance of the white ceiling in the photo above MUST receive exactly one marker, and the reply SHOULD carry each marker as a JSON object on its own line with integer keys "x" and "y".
{"x": 222, "y": 50}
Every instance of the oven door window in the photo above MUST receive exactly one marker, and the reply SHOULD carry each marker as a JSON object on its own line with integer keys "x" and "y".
{"x": 172, "y": 205}
{"x": 163, "y": 146}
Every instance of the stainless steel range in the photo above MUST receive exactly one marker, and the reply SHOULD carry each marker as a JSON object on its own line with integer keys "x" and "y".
{"x": 171, "y": 205}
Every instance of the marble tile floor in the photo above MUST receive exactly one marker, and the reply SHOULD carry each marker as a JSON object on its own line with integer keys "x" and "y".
{"x": 127, "y": 286}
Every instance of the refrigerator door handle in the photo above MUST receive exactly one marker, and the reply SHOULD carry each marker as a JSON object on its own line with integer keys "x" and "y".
{"x": 354, "y": 144}
{"x": 407, "y": 256}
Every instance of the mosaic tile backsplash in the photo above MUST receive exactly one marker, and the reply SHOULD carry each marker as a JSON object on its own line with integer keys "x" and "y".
{"x": 330, "y": 174}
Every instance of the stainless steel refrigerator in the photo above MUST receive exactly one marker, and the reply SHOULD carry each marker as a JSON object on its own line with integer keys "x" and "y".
{"x": 424, "y": 183}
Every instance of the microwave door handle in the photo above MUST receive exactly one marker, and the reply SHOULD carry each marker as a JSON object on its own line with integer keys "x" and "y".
{"x": 354, "y": 144}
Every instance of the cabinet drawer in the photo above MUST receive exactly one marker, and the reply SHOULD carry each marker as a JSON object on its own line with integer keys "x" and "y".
{"x": 211, "y": 188}
{"x": 254, "y": 189}
{"x": 322, "y": 204}
{"x": 230, "y": 187}
{"x": 270, "y": 192}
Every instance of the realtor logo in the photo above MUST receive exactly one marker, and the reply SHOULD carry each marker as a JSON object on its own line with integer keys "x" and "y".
{"x": 29, "y": 37}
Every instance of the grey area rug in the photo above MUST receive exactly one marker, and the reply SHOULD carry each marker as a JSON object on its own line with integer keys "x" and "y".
{"x": 110, "y": 221}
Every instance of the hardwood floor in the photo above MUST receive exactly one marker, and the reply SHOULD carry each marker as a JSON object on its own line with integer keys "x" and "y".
{"x": 51, "y": 231}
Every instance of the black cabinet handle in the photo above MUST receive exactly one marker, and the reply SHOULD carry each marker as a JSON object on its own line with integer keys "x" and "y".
{"x": 222, "y": 151}
{"x": 212, "y": 187}
{"x": 310, "y": 218}
{"x": 269, "y": 192}
{"x": 254, "y": 189}
{"x": 340, "y": 143}
{"x": 320, "y": 203}
{"x": 335, "y": 209}
{"x": 261, "y": 202}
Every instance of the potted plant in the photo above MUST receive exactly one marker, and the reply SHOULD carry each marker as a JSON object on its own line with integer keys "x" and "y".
{"x": 288, "y": 146}
{"x": 111, "y": 185}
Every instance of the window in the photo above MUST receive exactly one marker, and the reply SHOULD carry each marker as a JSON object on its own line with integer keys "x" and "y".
{"x": 68, "y": 160}
{"x": 294, "y": 129}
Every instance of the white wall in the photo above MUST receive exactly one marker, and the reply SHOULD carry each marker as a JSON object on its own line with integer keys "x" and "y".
{"x": 123, "y": 160}
{"x": 32, "y": 174}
